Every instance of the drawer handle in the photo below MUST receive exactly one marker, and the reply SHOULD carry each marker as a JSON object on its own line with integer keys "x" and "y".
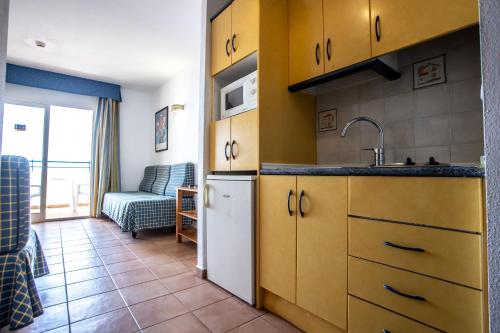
{"x": 401, "y": 247}
{"x": 300, "y": 204}
{"x": 394, "y": 291}
{"x": 289, "y": 197}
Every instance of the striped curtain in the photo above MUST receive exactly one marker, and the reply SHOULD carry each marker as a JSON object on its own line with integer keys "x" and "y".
{"x": 105, "y": 164}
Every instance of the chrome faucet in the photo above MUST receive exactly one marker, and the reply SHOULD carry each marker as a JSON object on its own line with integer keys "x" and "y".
{"x": 379, "y": 158}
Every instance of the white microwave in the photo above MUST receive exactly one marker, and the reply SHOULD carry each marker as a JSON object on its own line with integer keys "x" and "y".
{"x": 239, "y": 96}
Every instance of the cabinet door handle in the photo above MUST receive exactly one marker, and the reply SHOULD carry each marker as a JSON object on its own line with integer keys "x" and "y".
{"x": 300, "y": 203}
{"x": 401, "y": 247}
{"x": 394, "y": 291}
{"x": 232, "y": 42}
{"x": 317, "y": 53}
{"x": 329, "y": 49}
{"x": 377, "y": 28}
{"x": 225, "y": 150}
{"x": 228, "y": 51}
{"x": 289, "y": 197}
{"x": 233, "y": 155}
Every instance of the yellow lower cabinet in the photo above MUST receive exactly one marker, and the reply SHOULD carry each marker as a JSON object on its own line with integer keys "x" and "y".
{"x": 322, "y": 247}
{"x": 278, "y": 236}
{"x": 446, "y": 306}
{"x": 368, "y": 318}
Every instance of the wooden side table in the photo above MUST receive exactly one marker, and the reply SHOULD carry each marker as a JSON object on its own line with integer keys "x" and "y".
{"x": 190, "y": 233}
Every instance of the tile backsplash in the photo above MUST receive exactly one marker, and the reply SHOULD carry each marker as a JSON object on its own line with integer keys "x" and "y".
{"x": 444, "y": 120}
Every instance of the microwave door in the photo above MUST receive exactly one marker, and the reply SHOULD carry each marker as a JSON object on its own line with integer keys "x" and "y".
{"x": 234, "y": 101}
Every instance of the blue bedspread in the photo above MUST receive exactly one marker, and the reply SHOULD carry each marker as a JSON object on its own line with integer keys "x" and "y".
{"x": 20, "y": 303}
{"x": 135, "y": 211}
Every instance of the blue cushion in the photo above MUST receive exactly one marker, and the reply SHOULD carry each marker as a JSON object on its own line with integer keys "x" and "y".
{"x": 148, "y": 180}
{"x": 181, "y": 175}
{"x": 162, "y": 176}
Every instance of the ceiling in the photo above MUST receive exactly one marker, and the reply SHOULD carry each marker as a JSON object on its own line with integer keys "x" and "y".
{"x": 134, "y": 43}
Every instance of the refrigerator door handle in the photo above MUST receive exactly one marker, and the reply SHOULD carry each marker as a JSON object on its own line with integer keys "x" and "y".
{"x": 205, "y": 196}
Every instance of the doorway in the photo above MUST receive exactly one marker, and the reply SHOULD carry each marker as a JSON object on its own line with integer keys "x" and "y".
{"x": 57, "y": 143}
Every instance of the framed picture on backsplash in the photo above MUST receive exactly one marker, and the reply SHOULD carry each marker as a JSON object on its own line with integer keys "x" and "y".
{"x": 429, "y": 72}
{"x": 327, "y": 120}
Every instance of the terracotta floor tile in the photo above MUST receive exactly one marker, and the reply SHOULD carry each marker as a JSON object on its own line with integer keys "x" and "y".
{"x": 51, "y": 246}
{"x": 86, "y": 274}
{"x": 157, "y": 310}
{"x": 187, "y": 323}
{"x": 112, "y": 250}
{"x": 56, "y": 268}
{"x": 77, "y": 248}
{"x": 95, "y": 305}
{"x": 49, "y": 281}
{"x": 102, "y": 245}
{"x": 53, "y": 317}
{"x": 280, "y": 323}
{"x": 53, "y": 296}
{"x": 158, "y": 259}
{"x": 125, "y": 266}
{"x": 118, "y": 321}
{"x": 64, "y": 329}
{"x": 182, "y": 281}
{"x": 118, "y": 257}
{"x": 202, "y": 295}
{"x": 143, "y": 292}
{"x": 146, "y": 252}
{"x": 166, "y": 270}
{"x": 54, "y": 259}
{"x": 81, "y": 264}
{"x": 52, "y": 252}
{"x": 257, "y": 325}
{"x": 90, "y": 287}
{"x": 79, "y": 255}
{"x": 127, "y": 279}
{"x": 225, "y": 315}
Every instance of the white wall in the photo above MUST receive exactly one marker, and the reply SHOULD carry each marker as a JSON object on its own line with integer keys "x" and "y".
{"x": 136, "y": 137}
{"x": 4, "y": 20}
{"x": 183, "y": 88}
{"x": 490, "y": 61}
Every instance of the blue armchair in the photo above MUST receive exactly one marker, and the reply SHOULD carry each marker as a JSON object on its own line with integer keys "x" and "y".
{"x": 21, "y": 256}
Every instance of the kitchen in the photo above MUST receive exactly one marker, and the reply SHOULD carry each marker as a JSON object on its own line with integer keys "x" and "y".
{"x": 390, "y": 238}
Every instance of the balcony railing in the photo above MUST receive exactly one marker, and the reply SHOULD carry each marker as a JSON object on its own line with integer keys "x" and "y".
{"x": 67, "y": 188}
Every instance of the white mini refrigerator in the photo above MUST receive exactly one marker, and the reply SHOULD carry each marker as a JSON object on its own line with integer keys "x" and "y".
{"x": 231, "y": 234}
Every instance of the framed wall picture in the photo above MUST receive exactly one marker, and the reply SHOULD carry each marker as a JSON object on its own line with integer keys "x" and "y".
{"x": 161, "y": 130}
{"x": 429, "y": 72}
{"x": 327, "y": 120}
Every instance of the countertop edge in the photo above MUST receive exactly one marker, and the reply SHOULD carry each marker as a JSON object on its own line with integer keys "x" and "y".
{"x": 453, "y": 171}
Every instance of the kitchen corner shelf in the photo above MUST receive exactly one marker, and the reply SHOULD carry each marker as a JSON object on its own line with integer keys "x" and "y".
{"x": 187, "y": 232}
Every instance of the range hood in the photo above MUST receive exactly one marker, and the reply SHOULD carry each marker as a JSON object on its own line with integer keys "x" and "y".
{"x": 385, "y": 66}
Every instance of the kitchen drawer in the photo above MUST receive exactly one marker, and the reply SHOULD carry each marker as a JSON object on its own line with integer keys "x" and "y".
{"x": 368, "y": 318}
{"x": 455, "y": 203}
{"x": 445, "y": 305}
{"x": 449, "y": 255}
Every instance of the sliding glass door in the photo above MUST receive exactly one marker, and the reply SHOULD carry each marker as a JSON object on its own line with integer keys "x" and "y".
{"x": 57, "y": 142}
{"x": 24, "y": 135}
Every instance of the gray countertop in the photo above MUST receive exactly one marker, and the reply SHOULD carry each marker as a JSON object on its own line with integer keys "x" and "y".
{"x": 359, "y": 170}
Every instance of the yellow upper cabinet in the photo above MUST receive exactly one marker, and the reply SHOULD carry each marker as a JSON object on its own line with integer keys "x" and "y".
{"x": 397, "y": 24}
{"x": 306, "y": 39}
{"x": 346, "y": 32}
{"x": 235, "y": 33}
{"x": 221, "y": 41}
{"x": 245, "y": 28}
